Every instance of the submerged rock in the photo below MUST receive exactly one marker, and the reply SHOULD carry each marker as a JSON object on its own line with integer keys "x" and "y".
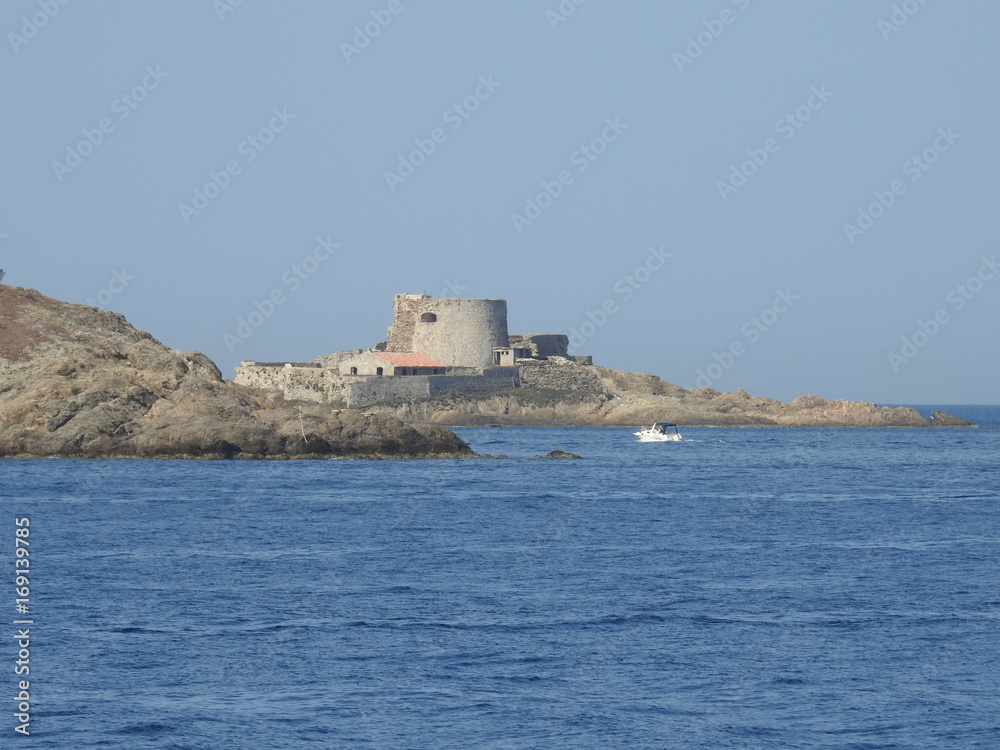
{"x": 76, "y": 381}
{"x": 559, "y": 454}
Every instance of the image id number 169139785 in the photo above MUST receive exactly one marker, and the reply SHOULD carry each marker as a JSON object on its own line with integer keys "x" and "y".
{"x": 22, "y": 636}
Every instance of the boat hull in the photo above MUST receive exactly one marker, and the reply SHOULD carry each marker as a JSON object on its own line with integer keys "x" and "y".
{"x": 646, "y": 436}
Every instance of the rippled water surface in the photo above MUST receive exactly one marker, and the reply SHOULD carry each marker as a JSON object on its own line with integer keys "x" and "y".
{"x": 746, "y": 588}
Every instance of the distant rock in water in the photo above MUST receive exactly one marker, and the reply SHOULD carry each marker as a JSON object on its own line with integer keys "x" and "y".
{"x": 941, "y": 419}
{"x": 76, "y": 381}
{"x": 559, "y": 454}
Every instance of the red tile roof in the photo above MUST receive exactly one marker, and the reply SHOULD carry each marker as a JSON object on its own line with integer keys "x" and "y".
{"x": 407, "y": 359}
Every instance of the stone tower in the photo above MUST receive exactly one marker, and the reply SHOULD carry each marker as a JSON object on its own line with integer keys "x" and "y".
{"x": 454, "y": 332}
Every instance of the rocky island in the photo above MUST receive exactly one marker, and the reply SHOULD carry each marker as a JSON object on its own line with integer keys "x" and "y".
{"x": 76, "y": 381}
{"x": 452, "y": 362}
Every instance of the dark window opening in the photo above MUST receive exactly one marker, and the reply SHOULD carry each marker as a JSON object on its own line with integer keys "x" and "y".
{"x": 378, "y": 370}
{"x": 428, "y": 318}
{"x": 354, "y": 371}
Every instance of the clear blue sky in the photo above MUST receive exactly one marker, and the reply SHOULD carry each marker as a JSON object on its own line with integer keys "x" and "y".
{"x": 739, "y": 137}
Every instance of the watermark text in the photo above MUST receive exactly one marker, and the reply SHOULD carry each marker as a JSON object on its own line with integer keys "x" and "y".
{"x": 752, "y": 331}
{"x": 249, "y": 149}
{"x": 292, "y": 279}
{"x": 625, "y": 288}
{"x": 956, "y": 299}
{"x": 22, "y": 623}
{"x": 582, "y": 158}
{"x": 915, "y": 167}
{"x": 122, "y": 106}
{"x": 454, "y": 117}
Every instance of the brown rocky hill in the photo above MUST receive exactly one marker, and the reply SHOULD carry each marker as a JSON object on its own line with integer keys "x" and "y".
{"x": 77, "y": 381}
{"x": 561, "y": 392}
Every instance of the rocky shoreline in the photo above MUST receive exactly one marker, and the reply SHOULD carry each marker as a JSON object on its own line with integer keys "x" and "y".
{"x": 79, "y": 382}
{"x": 562, "y": 393}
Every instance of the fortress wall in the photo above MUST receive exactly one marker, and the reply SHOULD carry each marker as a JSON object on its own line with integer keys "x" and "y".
{"x": 261, "y": 375}
{"x": 367, "y": 391}
{"x": 564, "y": 376}
{"x": 542, "y": 345}
{"x": 405, "y": 311}
{"x": 333, "y": 359}
{"x": 316, "y": 385}
{"x": 473, "y": 384}
{"x": 463, "y": 333}
{"x": 371, "y": 390}
{"x": 299, "y": 383}
{"x": 505, "y": 373}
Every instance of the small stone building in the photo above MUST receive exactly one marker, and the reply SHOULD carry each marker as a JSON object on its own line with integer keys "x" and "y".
{"x": 508, "y": 356}
{"x": 390, "y": 364}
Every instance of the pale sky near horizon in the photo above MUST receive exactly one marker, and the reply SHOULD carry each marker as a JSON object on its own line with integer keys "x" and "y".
{"x": 787, "y": 197}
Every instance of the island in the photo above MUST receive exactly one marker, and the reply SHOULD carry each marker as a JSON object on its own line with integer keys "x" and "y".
{"x": 76, "y": 381}
{"x": 453, "y": 362}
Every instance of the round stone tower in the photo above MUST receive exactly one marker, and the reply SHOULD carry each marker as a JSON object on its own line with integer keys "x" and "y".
{"x": 454, "y": 332}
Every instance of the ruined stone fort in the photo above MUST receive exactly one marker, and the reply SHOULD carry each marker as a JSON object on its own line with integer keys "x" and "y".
{"x": 434, "y": 346}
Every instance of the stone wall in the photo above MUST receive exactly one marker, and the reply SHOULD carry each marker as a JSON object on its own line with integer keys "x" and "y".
{"x": 301, "y": 382}
{"x": 336, "y": 357}
{"x": 562, "y": 375}
{"x": 542, "y": 345}
{"x": 492, "y": 379}
{"x": 317, "y": 384}
{"x": 367, "y": 391}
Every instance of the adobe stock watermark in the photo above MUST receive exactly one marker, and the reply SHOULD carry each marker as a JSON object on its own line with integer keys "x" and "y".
{"x": 751, "y": 331}
{"x": 786, "y": 127}
{"x": 562, "y": 12}
{"x": 714, "y": 28}
{"x": 364, "y": 34}
{"x": 250, "y": 148}
{"x": 582, "y": 158}
{"x": 956, "y": 299}
{"x": 225, "y": 7}
{"x": 915, "y": 167}
{"x": 625, "y": 288}
{"x": 117, "y": 284}
{"x": 292, "y": 280}
{"x": 454, "y": 117}
{"x": 33, "y": 24}
{"x": 900, "y": 16}
{"x": 453, "y": 288}
{"x": 123, "y": 106}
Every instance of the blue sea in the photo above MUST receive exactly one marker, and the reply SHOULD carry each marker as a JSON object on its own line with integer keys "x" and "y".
{"x": 745, "y": 588}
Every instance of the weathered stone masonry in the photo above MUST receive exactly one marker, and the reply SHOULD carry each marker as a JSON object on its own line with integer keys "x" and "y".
{"x": 455, "y": 332}
{"x": 464, "y": 339}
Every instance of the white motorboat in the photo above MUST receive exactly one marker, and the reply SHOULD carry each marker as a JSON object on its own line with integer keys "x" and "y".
{"x": 661, "y": 432}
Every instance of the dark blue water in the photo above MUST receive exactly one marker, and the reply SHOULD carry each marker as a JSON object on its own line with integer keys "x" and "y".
{"x": 747, "y": 588}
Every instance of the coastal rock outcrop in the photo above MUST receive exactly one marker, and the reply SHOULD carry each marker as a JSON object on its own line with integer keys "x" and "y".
{"x": 941, "y": 419}
{"x": 559, "y": 392}
{"x": 78, "y": 381}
